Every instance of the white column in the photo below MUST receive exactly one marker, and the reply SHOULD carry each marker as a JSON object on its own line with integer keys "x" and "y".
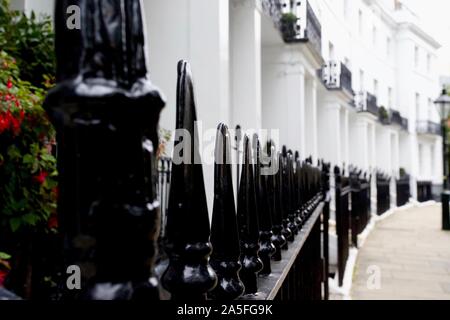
{"x": 415, "y": 170}
{"x": 246, "y": 64}
{"x": 332, "y": 148}
{"x": 284, "y": 97}
{"x": 361, "y": 144}
{"x": 345, "y": 137}
{"x": 311, "y": 128}
{"x": 395, "y": 167}
{"x": 383, "y": 150}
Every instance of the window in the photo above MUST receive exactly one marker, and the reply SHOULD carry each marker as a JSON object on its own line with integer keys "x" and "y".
{"x": 418, "y": 116}
{"x": 430, "y": 109}
{"x": 416, "y": 56}
{"x": 375, "y": 88}
{"x": 331, "y": 51}
{"x": 346, "y": 8}
{"x": 388, "y": 47}
{"x": 390, "y": 98}
{"x": 428, "y": 63}
{"x": 360, "y": 23}
{"x": 361, "y": 80}
{"x": 347, "y": 62}
{"x": 374, "y": 36}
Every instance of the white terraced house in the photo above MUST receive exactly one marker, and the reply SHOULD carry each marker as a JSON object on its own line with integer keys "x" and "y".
{"x": 351, "y": 82}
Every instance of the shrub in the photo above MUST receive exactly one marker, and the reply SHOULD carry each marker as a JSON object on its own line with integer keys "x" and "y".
{"x": 30, "y": 41}
{"x": 27, "y": 166}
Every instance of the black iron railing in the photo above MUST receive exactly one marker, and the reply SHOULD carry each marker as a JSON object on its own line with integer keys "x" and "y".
{"x": 428, "y": 127}
{"x": 424, "y": 191}
{"x": 360, "y": 204}
{"x": 342, "y": 200}
{"x": 367, "y": 102}
{"x": 383, "y": 194}
{"x": 403, "y": 190}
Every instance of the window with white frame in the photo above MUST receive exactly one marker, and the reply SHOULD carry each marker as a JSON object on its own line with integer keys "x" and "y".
{"x": 360, "y": 23}
{"x": 375, "y": 88}
{"x": 331, "y": 54}
{"x": 374, "y": 36}
{"x": 346, "y": 8}
{"x": 430, "y": 109}
{"x": 418, "y": 116}
{"x": 388, "y": 47}
{"x": 428, "y": 63}
{"x": 416, "y": 56}
{"x": 361, "y": 80}
{"x": 389, "y": 97}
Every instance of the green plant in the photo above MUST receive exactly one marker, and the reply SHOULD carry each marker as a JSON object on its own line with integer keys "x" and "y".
{"x": 27, "y": 167}
{"x": 402, "y": 172}
{"x": 383, "y": 113}
{"x": 289, "y": 18}
{"x": 30, "y": 40}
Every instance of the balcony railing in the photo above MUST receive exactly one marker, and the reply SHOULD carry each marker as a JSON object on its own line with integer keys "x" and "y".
{"x": 367, "y": 102}
{"x": 296, "y": 21}
{"x": 313, "y": 32}
{"x": 428, "y": 127}
{"x": 336, "y": 75}
{"x": 397, "y": 119}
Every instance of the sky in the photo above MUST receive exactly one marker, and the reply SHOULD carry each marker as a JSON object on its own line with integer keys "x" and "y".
{"x": 435, "y": 18}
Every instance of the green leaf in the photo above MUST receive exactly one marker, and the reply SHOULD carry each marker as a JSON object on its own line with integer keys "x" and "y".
{"x": 15, "y": 224}
{"x": 30, "y": 219}
{"x": 4, "y": 256}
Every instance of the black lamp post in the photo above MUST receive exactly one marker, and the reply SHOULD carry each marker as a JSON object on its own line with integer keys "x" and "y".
{"x": 443, "y": 106}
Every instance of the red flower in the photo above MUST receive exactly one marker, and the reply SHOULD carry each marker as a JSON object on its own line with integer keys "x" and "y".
{"x": 41, "y": 177}
{"x": 3, "y": 275}
{"x": 9, "y": 84}
{"x": 4, "y": 271}
{"x": 53, "y": 222}
{"x": 4, "y": 123}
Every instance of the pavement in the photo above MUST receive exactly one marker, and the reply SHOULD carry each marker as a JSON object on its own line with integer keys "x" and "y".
{"x": 406, "y": 257}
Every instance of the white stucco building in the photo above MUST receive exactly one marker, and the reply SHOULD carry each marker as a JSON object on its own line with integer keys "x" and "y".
{"x": 322, "y": 89}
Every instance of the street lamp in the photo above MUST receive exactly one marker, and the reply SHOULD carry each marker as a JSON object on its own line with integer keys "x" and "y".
{"x": 443, "y": 106}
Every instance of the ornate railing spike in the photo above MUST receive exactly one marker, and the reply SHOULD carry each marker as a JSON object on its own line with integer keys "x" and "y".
{"x": 248, "y": 223}
{"x": 267, "y": 249}
{"x": 225, "y": 258}
{"x": 189, "y": 275}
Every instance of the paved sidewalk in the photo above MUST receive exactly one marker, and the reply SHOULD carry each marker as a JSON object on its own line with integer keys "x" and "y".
{"x": 412, "y": 254}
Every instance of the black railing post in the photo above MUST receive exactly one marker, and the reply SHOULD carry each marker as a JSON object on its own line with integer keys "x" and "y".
{"x": 292, "y": 217}
{"x": 325, "y": 227}
{"x": 106, "y": 112}
{"x": 225, "y": 258}
{"x": 284, "y": 197}
{"x": 248, "y": 224}
{"x": 267, "y": 248}
{"x": 187, "y": 230}
{"x": 278, "y": 238}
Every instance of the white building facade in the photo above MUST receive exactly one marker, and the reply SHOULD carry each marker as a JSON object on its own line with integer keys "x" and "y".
{"x": 322, "y": 88}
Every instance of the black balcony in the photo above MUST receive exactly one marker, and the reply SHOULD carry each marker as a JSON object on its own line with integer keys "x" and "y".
{"x": 367, "y": 102}
{"x": 313, "y": 32}
{"x": 336, "y": 76}
{"x": 296, "y": 22}
{"x": 397, "y": 119}
{"x": 428, "y": 127}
